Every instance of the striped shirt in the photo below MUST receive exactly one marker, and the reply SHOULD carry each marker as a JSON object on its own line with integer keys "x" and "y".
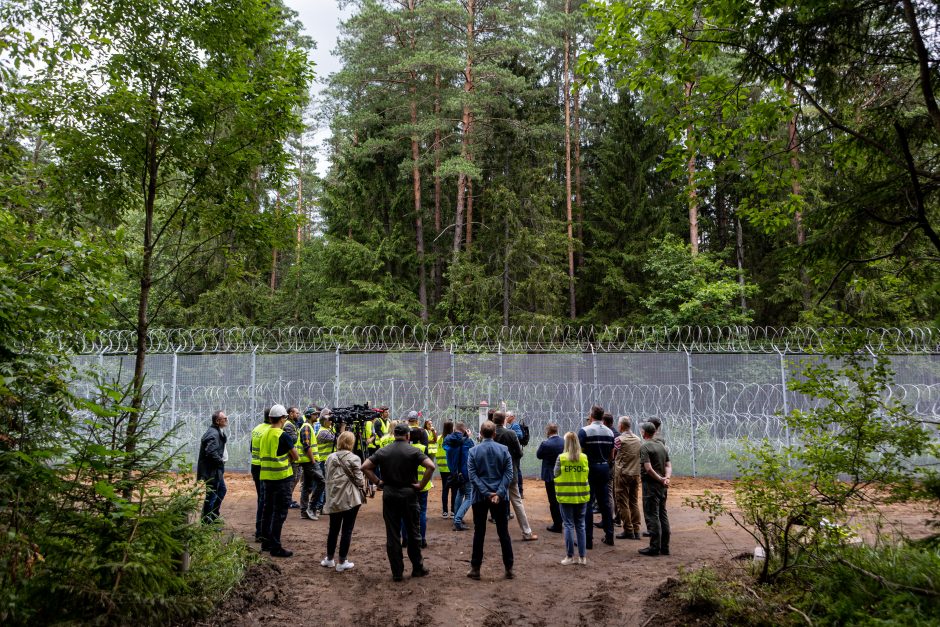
{"x": 597, "y": 442}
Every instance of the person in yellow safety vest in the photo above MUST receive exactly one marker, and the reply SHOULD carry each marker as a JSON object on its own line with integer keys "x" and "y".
{"x": 313, "y": 481}
{"x": 326, "y": 444}
{"x": 422, "y": 499}
{"x": 432, "y": 438}
{"x": 276, "y": 454}
{"x": 292, "y": 426}
{"x": 256, "y": 434}
{"x": 440, "y": 458}
{"x": 573, "y": 492}
{"x": 389, "y": 437}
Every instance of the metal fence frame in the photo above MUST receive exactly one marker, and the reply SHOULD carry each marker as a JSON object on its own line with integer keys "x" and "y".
{"x": 464, "y": 373}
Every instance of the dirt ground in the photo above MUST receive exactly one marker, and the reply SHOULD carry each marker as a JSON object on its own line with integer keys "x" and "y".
{"x": 612, "y": 589}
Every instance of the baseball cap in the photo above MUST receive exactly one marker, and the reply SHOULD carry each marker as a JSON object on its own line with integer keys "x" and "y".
{"x": 277, "y": 411}
{"x": 412, "y": 416}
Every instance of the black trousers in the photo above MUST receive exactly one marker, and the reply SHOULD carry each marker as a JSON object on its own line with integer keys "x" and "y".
{"x": 312, "y": 486}
{"x": 259, "y": 492}
{"x": 401, "y": 506}
{"x": 654, "y": 511}
{"x": 215, "y": 494}
{"x": 344, "y": 521}
{"x": 276, "y": 505}
{"x": 599, "y": 480}
{"x": 553, "y": 508}
{"x": 500, "y": 513}
{"x": 448, "y": 494}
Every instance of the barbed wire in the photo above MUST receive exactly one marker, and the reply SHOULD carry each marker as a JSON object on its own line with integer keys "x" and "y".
{"x": 509, "y": 339}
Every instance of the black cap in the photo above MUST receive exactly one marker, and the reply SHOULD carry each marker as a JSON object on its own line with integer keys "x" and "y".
{"x": 402, "y": 430}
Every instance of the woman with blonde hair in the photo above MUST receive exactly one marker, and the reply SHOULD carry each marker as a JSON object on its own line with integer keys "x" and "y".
{"x": 345, "y": 493}
{"x": 573, "y": 492}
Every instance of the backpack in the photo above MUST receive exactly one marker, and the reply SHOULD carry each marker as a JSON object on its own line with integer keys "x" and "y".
{"x": 524, "y": 440}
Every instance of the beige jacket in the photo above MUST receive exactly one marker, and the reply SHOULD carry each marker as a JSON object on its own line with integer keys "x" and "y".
{"x": 341, "y": 493}
{"x": 628, "y": 457}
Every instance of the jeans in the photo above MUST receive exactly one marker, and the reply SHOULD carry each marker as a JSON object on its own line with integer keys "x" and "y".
{"x": 259, "y": 491}
{"x": 463, "y": 502}
{"x": 598, "y": 478}
{"x": 422, "y": 517}
{"x": 400, "y": 505}
{"x": 322, "y": 498}
{"x": 276, "y": 505}
{"x": 500, "y": 513}
{"x": 515, "y": 498}
{"x": 553, "y": 504}
{"x": 215, "y": 494}
{"x": 345, "y": 521}
{"x": 654, "y": 510}
{"x": 573, "y": 516}
{"x": 313, "y": 485}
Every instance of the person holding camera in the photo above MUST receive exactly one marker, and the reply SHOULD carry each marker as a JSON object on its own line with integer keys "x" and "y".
{"x": 345, "y": 494}
{"x": 313, "y": 481}
{"x": 326, "y": 443}
{"x": 458, "y": 445}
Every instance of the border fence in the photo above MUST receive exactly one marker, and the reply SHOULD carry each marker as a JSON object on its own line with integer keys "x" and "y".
{"x": 710, "y": 386}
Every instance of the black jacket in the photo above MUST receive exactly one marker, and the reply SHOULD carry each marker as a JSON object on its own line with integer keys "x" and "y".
{"x": 210, "y": 464}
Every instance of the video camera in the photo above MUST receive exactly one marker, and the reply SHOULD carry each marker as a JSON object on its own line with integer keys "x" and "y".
{"x": 354, "y": 417}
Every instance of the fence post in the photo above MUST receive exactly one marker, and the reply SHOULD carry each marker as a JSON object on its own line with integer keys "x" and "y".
{"x": 786, "y": 403}
{"x": 336, "y": 384}
{"x": 173, "y": 390}
{"x": 427, "y": 382}
{"x": 499, "y": 380}
{"x": 688, "y": 364}
{"x": 254, "y": 387}
{"x": 594, "y": 393}
{"x": 453, "y": 383}
{"x": 391, "y": 383}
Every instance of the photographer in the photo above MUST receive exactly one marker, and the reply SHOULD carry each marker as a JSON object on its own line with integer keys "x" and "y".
{"x": 326, "y": 443}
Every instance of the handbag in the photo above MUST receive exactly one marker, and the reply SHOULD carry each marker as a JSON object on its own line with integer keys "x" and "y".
{"x": 352, "y": 477}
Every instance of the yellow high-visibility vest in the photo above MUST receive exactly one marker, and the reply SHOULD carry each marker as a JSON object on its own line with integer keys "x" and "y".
{"x": 274, "y": 466}
{"x": 256, "y": 434}
{"x": 571, "y": 486}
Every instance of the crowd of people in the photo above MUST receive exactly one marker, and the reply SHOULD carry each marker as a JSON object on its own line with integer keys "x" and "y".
{"x": 591, "y": 471}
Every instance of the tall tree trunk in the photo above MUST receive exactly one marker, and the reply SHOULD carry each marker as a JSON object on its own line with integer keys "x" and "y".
{"x": 572, "y": 310}
{"x": 273, "y": 280}
{"x": 419, "y": 220}
{"x": 438, "y": 269}
{"x": 740, "y": 255}
{"x": 469, "y": 215}
{"x": 506, "y": 248}
{"x": 149, "y": 185}
{"x": 693, "y": 192}
{"x": 793, "y": 147}
{"x": 579, "y": 202}
{"x": 467, "y": 121}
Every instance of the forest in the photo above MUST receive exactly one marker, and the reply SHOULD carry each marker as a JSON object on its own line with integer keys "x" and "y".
{"x": 498, "y": 163}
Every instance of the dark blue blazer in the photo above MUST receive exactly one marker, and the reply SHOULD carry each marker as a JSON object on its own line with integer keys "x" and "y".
{"x": 548, "y": 452}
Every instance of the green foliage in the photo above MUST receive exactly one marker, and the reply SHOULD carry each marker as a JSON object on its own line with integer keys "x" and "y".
{"x": 853, "y": 450}
{"x": 693, "y": 290}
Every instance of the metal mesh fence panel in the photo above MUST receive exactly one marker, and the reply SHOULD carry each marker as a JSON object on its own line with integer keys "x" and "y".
{"x": 707, "y": 401}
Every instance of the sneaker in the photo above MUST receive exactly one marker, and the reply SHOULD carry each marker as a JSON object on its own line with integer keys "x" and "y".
{"x": 568, "y": 561}
{"x": 582, "y": 561}
{"x": 294, "y": 505}
{"x": 344, "y": 566}
{"x": 532, "y": 537}
{"x": 327, "y": 563}
{"x": 314, "y": 516}
{"x": 304, "y": 514}
{"x": 281, "y": 552}
{"x": 445, "y": 515}
{"x": 460, "y": 527}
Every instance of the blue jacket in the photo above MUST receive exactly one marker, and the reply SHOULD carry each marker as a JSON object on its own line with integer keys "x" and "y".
{"x": 458, "y": 452}
{"x": 548, "y": 452}
{"x": 490, "y": 470}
